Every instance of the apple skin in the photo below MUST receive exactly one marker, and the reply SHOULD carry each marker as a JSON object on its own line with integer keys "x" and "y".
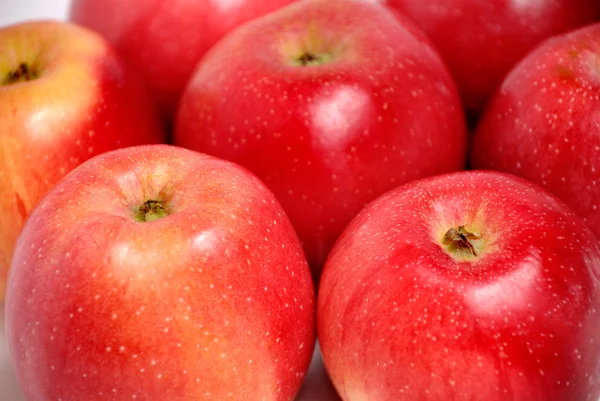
{"x": 327, "y": 138}
{"x": 165, "y": 39}
{"x": 482, "y": 40}
{"x": 84, "y": 102}
{"x": 213, "y": 301}
{"x": 400, "y": 319}
{"x": 543, "y": 123}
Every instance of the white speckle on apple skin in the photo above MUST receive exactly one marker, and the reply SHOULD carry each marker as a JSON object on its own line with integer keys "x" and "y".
{"x": 398, "y": 318}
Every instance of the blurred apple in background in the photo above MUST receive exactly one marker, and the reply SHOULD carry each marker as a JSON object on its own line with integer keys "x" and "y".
{"x": 475, "y": 286}
{"x": 65, "y": 96}
{"x": 157, "y": 273}
{"x": 481, "y": 40}
{"x": 544, "y": 124}
{"x": 330, "y": 103}
{"x": 165, "y": 39}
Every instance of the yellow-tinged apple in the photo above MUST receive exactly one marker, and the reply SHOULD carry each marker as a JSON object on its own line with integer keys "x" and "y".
{"x": 65, "y": 96}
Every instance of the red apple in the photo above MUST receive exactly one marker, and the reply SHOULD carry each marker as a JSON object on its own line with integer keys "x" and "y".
{"x": 471, "y": 286}
{"x": 481, "y": 40}
{"x": 165, "y": 39}
{"x": 330, "y": 103}
{"x": 544, "y": 123}
{"x": 157, "y": 273}
{"x": 65, "y": 96}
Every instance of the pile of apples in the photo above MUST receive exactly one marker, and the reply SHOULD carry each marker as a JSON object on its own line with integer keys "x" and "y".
{"x": 193, "y": 192}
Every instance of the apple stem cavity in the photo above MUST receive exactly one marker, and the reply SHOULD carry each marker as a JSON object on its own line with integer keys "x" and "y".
{"x": 151, "y": 210}
{"x": 461, "y": 243}
{"x": 23, "y": 73}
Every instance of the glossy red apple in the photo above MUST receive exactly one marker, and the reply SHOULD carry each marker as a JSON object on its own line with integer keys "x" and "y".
{"x": 165, "y": 39}
{"x": 544, "y": 123}
{"x": 330, "y": 104}
{"x": 157, "y": 273}
{"x": 65, "y": 96}
{"x": 482, "y": 40}
{"x": 472, "y": 286}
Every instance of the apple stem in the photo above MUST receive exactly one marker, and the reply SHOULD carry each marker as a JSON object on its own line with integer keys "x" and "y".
{"x": 308, "y": 58}
{"x": 460, "y": 241}
{"x": 21, "y": 74}
{"x": 151, "y": 210}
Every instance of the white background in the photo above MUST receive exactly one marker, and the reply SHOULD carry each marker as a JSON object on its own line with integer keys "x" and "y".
{"x": 316, "y": 388}
{"x": 19, "y": 10}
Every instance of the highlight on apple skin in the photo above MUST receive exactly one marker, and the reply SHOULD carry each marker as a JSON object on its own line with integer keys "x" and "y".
{"x": 159, "y": 273}
{"x": 65, "y": 96}
{"x": 476, "y": 286}
{"x": 330, "y": 103}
